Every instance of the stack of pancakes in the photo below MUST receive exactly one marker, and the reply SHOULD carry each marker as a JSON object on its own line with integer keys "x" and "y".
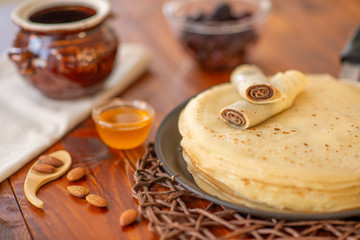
{"x": 304, "y": 159}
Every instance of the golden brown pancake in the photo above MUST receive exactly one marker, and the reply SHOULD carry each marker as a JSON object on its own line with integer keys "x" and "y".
{"x": 304, "y": 159}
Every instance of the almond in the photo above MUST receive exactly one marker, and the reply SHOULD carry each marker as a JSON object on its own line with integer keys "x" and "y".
{"x": 96, "y": 200}
{"x": 78, "y": 191}
{"x": 128, "y": 217}
{"x": 75, "y": 174}
{"x": 44, "y": 168}
{"x": 47, "y": 159}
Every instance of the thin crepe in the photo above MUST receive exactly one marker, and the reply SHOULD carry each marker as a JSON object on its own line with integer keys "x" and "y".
{"x": 253, "y": 85}
{"x": 304, "y": 159}
{"x": 243, "y": 114}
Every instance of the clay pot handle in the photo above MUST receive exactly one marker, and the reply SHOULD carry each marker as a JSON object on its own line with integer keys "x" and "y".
{"x": 22, "y": 57}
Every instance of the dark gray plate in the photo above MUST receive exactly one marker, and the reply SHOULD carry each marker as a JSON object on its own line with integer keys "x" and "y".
{"x": 169, "y": 152}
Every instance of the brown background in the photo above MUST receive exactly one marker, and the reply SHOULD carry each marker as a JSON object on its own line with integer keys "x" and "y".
{"x": 307, "y": 35}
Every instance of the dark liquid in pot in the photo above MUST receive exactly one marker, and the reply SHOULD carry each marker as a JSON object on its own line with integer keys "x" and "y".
{"x": 62, "y": 14}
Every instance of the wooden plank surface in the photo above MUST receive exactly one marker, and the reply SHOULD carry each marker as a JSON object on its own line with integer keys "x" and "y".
{"x": 12, "y": 223}
{"x": 302, "y": 34}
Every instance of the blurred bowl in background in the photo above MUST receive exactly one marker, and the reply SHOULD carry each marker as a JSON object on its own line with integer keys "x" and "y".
{"x": 217, "y": 33}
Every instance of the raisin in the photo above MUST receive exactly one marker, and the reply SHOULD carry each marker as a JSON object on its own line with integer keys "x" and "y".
{"x": 222, "y": 13}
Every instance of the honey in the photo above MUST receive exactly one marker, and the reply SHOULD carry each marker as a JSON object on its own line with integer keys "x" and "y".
{"x": 124, "y": 127}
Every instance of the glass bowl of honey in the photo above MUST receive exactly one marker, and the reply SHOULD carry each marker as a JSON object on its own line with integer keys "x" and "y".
{"x": 123, "y": 123}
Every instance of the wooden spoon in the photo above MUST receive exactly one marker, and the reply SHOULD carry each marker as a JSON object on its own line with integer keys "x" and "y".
{"x": 34, "y": 179}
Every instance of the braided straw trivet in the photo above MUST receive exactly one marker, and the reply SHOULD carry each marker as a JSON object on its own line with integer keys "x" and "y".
{"x": 174, "y": 213}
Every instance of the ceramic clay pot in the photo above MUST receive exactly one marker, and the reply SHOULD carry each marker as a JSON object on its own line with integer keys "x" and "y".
{"x": 64, "y": 48}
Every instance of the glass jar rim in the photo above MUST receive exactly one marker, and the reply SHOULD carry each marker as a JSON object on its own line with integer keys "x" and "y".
{"x": 21, "y": 13}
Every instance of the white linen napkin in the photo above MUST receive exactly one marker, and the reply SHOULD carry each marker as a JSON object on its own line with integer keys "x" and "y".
{"x": 30, "y": 122}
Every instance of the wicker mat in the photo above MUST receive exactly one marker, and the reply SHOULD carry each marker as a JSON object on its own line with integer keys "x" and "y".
{"x": 176, "y": 213}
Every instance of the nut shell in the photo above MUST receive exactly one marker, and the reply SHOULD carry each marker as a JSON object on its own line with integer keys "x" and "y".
{"x": 78, "y": 191}
{"x": 128, "y": 217}
{"x": 96, "y": 200}
{"x": 47, "y": 159}
{"x": 44, "y": 168}
{"x": 76, "y": 173}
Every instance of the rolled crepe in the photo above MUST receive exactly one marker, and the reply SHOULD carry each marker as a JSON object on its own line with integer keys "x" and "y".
{"x": 253, "y": 85}
{"x": 244, "y": 114}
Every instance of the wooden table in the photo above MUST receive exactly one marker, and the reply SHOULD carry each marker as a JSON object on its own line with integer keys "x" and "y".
{"x": 307, "y": 35}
